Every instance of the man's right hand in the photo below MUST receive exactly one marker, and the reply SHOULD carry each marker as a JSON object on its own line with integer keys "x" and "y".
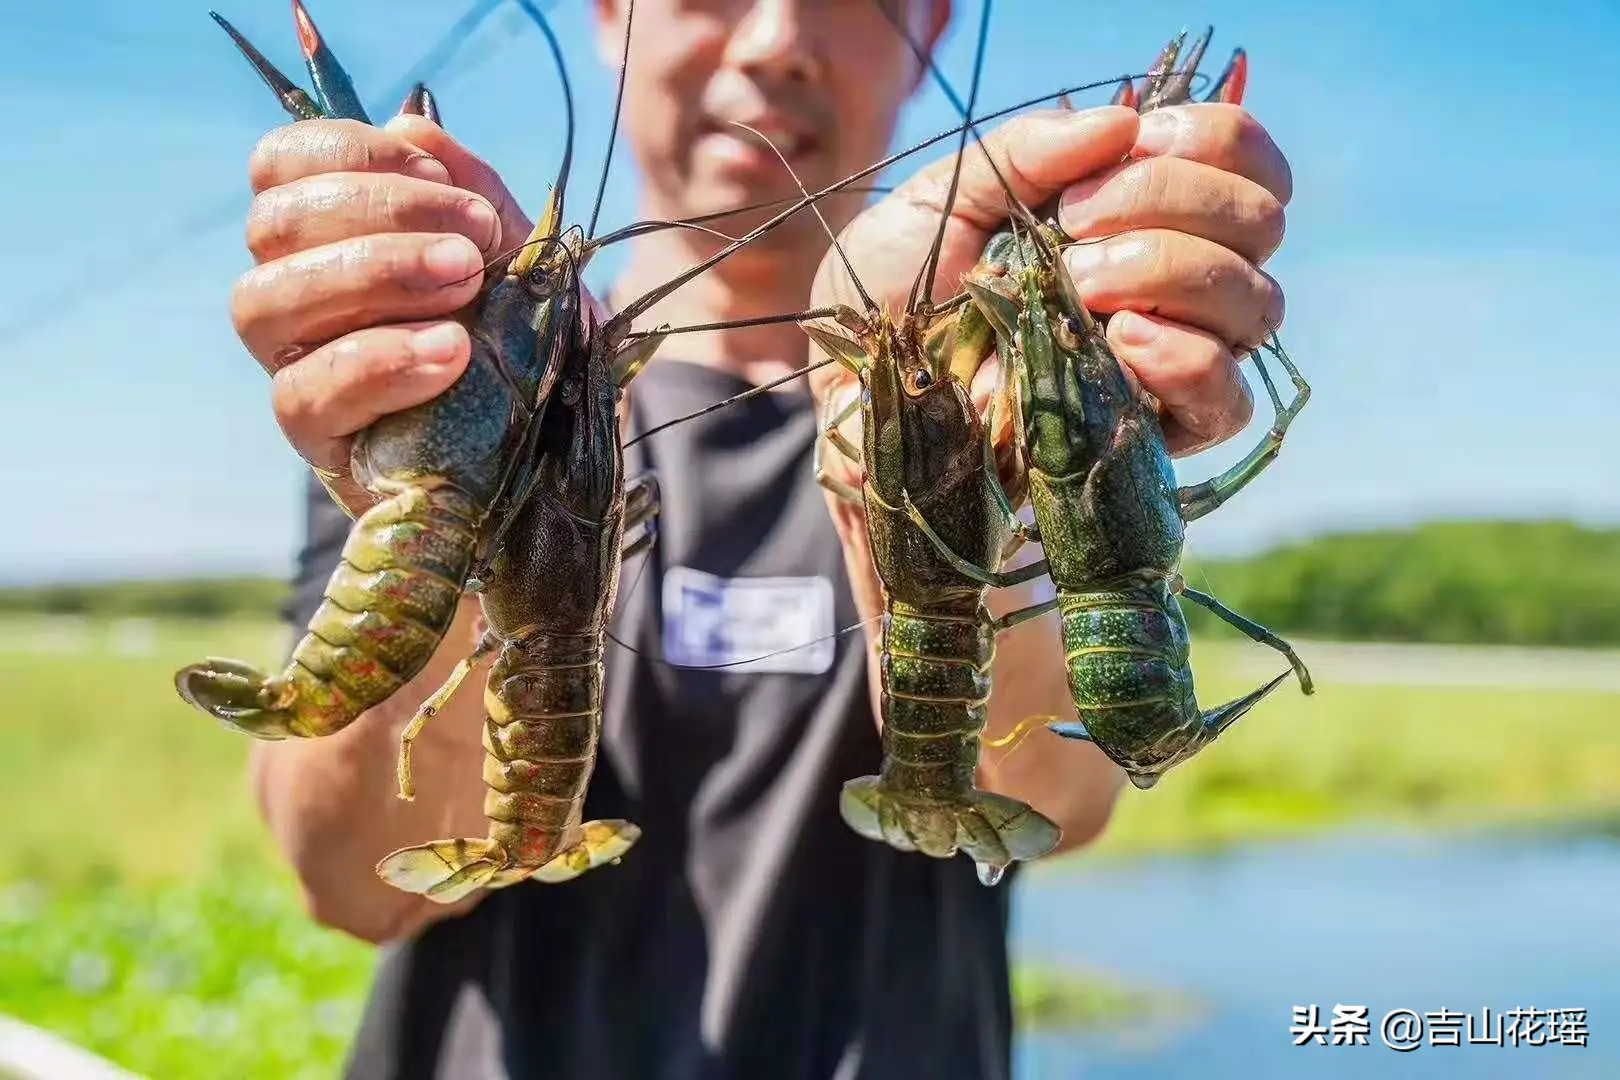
{"x": 366, "y": 239}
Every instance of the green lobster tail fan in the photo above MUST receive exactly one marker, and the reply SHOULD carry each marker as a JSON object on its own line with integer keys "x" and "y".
{"x": 604, "y": 842}
{"x": 997, "y": 831}
{"x": 873, "y": 813}
{"x": 235, "y": 693}
{"x": 993, "y": 830}
{"x": 444, "y": 870}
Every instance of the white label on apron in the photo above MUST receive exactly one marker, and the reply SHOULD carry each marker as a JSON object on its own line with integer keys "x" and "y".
{"x": 782, "y": 624}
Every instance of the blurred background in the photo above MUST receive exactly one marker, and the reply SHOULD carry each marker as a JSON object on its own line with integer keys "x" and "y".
{"x": 1436, "y": 829}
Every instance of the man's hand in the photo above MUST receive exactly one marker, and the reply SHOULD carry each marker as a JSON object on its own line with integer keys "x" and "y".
{"x": 1191, "y": 200}
{"x": 366, "y": 239}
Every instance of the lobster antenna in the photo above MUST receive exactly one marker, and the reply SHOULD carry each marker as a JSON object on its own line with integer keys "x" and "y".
{"x": 752, "y": 659}
{"x": 637, "y": 307}
{"x": 831, "y": 312}
{"x": 641, "y": 228}
{"x": 815, "y": 208}
{"x": 613, "y": 131}
{"x": 551, "y": 221}
{"x": 636, "y": 581}
{"x": 796, "y": 373}
{"x": 967, "y": 110}
{"x": 930, "y": 266}
{"x": 961, "y": 149}
{"x": 616, "y": 326}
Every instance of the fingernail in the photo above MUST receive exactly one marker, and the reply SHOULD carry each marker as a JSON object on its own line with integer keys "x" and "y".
{"x": 1159, "y": 131}
{"x": 436, "y": 344}
{"x": 1132, "y": 329}
{"x": 1087, "y": 118}
{"x": 1084, "y": 258}
{"x": 452, "y": 259}
{"x": 482, "y": 223}
{"x": 1077, "y": 209}
{"x": 424, "y": 167}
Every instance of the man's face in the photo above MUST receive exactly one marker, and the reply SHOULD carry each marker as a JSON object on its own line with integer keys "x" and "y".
{"x": 823, "y": 79}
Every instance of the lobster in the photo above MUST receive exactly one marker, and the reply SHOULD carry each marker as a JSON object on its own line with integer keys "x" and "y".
{"x": 543, "y": 697}
{"x": 1108, "y": 512}
{"x": 449, "y": 473}
{"x": 487, "y": 488}
{"x": 929, "y": 471}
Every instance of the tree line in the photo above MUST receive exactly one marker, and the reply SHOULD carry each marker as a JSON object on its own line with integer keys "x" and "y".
{"x": 1485, "y": 582}
{"x": 1466, "y": 582}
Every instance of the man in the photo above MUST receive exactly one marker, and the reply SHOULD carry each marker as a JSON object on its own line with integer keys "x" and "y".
{"x": 750, "y": 933}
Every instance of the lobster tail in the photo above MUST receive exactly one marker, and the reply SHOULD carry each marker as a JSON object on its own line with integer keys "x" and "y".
{"x": 388, "y": 604}
{"x": 239, "y": 694}
{"x": 993, "y": 830}
{"x": 1133, "y": 686}
{"x": 544, "y": 704}
{"x": 447, "y": 870}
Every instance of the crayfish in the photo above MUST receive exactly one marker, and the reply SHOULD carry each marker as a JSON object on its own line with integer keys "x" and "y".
{"x": 1107, "y": 509}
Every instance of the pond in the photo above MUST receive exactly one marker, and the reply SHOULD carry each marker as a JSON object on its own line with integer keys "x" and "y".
{"x": 1386, "y": 922}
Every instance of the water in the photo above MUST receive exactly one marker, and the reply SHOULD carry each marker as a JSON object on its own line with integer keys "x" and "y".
{"x": 1389, "y": 923}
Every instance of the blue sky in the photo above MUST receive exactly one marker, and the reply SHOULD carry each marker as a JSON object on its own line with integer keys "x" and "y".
{"x": 1452, "y": 261}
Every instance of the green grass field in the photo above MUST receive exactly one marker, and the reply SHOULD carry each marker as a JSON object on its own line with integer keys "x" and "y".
{"x": 144, "y": 915}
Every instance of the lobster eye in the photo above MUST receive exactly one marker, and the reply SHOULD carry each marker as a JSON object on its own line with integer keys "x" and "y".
{"x": 919, "y": 380}
{"x": 540, "y": 276}
{"x": 1068, "y": 333}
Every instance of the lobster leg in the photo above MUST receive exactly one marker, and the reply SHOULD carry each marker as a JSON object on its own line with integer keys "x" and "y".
{"x": 836, "y": 437}
{"x": 1199, "y": 499}
{"x": 1024, "y": 614}
{"x": 830, "y": 434}
{"x": 640, "y": 500}
{"x": 435, "y": 702}
{"x": 640, "y": 511}
{"x": 1002, "y": 580}
{"x": 1253, "y": 629}
{"x": 1024, "y": 532}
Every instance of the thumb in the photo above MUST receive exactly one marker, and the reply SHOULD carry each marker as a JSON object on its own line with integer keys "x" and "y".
{"x": 467, "y": 170}
{"x": 1038, "y": 155}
